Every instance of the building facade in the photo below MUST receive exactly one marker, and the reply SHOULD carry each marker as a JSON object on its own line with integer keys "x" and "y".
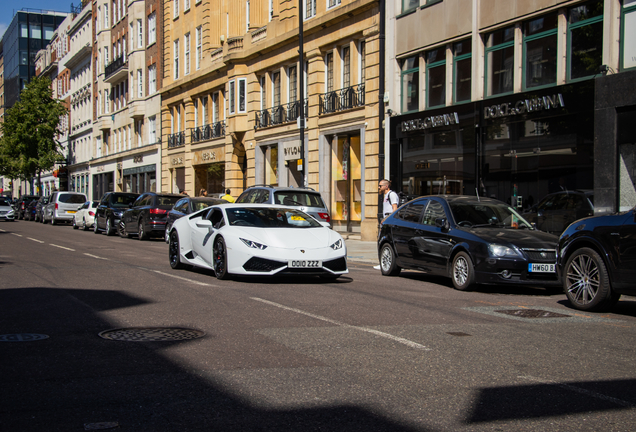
{"x": 513, "y": 99}
{"x": 232, "y": 98}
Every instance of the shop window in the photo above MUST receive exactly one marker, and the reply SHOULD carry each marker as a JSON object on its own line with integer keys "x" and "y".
{"x": 410, "y": 84}
{"x": 346, "y": 169}
{"x": 436, "y": 77}
{"x": 462, "y": 77}
{"x": 500, "y": 56}
{"x": 628, "y": 39}
{"x": 540, "y": 51}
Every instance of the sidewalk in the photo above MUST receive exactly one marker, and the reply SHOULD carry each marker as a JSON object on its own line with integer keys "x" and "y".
{"x": 361, "y": 251}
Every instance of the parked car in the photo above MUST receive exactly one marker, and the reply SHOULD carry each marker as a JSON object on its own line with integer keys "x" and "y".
{"x": 147, "y": 215}
{"x": 39, "y": 208}
{"x": 22, "y": 204}
{"x": 62, "y": 206}
{"x": 469, "y": 239}
{"x": 186, "y": 206}
{"x": 305, "y": 199}
{"x": 257, "y": 239}
{"x": 7, "y": 213}
{"x": 110, "y": 210}
{"x": 597, "y": 261}
{"x": 558, "y": 210}
{"x": 30, "y": 211}
{"x": 85, "y": 216}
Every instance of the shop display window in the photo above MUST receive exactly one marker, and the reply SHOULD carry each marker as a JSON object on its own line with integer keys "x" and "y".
{"x": 346, "y": 169}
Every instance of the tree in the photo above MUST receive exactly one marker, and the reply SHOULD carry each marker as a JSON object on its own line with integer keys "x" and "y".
{"x": 28, "y": 144}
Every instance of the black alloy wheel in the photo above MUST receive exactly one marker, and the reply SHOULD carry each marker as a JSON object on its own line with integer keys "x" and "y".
{"x": 109, "y": 227}
{"x": 95, "y": 228}
{"x": 462, "y": 272}
{"x": 586, "y": 282}
{"x": 220, "y": 259}
{"x": 173, "y": 252}
{"x": 121, "y": 230}
{"x": 141, "y": 231}
{"x": 388, "y": 265}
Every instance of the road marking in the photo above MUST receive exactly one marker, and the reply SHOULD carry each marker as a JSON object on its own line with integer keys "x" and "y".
{"x": 1, "y": 230}
{"x": 95, "y": 256}
{"x": 179, "y": 277}
{"x": 62, "y": 247}
{"x": 35, "y": 240}
{"x": 580, "y": 390}
{"x": 398, "y": 339}
{"x": 19, "y": 235}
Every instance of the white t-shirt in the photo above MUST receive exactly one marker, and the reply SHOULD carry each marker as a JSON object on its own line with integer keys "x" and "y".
{"x": 390, "y": 199}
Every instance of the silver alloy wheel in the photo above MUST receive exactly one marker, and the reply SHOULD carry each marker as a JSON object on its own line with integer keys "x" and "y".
{"x": 387, "y": 259}
{"x": 460, "y": 271}
{"x": 583, "y": 280}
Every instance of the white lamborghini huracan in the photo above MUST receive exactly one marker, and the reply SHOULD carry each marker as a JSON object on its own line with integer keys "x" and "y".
{"x": 257, "y": 239}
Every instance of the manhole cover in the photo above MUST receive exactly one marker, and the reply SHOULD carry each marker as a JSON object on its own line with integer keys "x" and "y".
{"x": 22, "y": 337}
{"x": 532, "y": 313}
{"x": 151, "y": 334}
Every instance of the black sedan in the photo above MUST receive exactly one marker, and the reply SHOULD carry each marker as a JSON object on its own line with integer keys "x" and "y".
{"x": 558, "y": 210}
{"x": 469, "y": 239}
{"x": 110, "y": 210}
{"x": 147, "y": 215}
{"x": 597, "y": 258}
{"x": 188, "y": 205}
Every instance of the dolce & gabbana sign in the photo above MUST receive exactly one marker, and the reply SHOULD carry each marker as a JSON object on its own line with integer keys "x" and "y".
{"x": 430, "y": 122}
{"x": 524, "y": 106}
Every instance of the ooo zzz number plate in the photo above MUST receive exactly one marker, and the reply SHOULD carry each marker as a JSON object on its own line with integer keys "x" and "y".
{"x": 304, "y": 264}
{"x": 541, "y": 268}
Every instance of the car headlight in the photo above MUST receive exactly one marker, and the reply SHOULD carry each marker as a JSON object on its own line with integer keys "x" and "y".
{"x": 253, "y": 244}
{"x": 500, "y": 251}
{"x": 337, "y": 245}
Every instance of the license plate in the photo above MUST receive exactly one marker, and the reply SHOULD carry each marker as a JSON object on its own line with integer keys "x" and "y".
{"x": 71, "y": 211}
{"x": 541, "y": 268}
{"x": 304, "y": 264}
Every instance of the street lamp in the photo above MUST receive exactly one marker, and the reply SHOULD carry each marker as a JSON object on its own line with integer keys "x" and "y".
{"x": 301, "y": 84}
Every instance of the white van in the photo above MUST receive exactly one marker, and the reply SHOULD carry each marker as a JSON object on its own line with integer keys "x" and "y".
{"x": 62, "y": 206}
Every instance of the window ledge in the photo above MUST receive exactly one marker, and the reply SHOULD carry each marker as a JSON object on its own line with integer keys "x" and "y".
{"x": 406, "y": 13}
{"x": 431, "y": 3}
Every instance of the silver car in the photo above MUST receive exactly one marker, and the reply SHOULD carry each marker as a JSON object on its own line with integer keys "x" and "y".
{"x": 305, "y": 199}
{"x": 62, "y": 206}
{"x": 7, "y": 212}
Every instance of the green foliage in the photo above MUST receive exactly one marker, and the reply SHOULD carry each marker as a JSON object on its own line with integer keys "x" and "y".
{"x": 28, "y": 144}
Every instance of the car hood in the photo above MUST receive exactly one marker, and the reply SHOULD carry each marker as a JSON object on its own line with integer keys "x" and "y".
{"x": 522, "y": 238}
{"x": 290, "y": 238}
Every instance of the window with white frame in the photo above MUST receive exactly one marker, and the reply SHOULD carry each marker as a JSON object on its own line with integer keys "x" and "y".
{"x": 362, "y": 62}
{"x": 106, "y": 24}
{"x": 242, "y": 95}
{"x": 152, "y": 28}
{"x": 199, "y": 49}
{"x": 293, "y": 83}
{"x": 346, "y": 67}
{"x": 106, "y": 102}
{"x": 310, "y": 9}
{"x": 175, "y": 8}
{"x": 232, "y": 97}
{"x": 216, "y": 107}
{"x": 186, "y": 5}
{"x": 152, "y": 79}
{"x": 105, "y": 57}
{"x": 140, "y": 83}
{"x": 329, "y": 66}
{"x": 129, "y": 137}
{"x": 195, "y": 102}
{"x": 140, "y": 34}
{"x": 275, "y": 89}
{"x": 332, "y": 3}
{"x": 204, "y": 110}
{"x": 271, "y": 10}
{"x": 178, "y": 125}
{"x": 152, "y": 130}
{"x": 186, "y": 53}
{"x": 98, "y": 19}
{"x": 175, "y": 53}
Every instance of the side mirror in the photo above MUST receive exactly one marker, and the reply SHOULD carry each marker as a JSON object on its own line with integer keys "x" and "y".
{"x": 204, "y": 223}
{"x": 442, "y": 223}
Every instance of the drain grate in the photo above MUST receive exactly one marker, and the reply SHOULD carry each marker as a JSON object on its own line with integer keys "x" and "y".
{"x": 532, "y": 313}
{"x": 151, "y": 334}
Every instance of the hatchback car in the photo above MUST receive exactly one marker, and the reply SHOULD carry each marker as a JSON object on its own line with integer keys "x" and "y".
{"x": 306, "y": 200}
{"x": 558, "y": 210}
{"x": 62, "y": 206}
{"x": 147, "y": 215}
{"x": 186, "y": 206}
{"x": 469, "y": 239}
{"x": 110, "y": 210}
{"x": 596, "y": 260}
{"x": 85, "y": 216}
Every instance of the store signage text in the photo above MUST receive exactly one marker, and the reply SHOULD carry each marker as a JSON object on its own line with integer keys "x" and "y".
{"x": 430, "y": 122}
{"x": 291, "y": 151}
{"x": 524, "y": 106}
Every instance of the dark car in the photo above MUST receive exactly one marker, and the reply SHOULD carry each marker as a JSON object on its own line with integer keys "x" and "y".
{"x": 23, "y": 203}
{"x": 188, "y": 205}
{"x": 39, "y": 208}
{"x": 305, "y": 199}
{"x": 469, "y": 239}
{"x": 147, "y": 215}
{"x": 110, "y": 210}
{"x": 558, "y": 210}
{"x": 597, "y": 260}
{"x": 31, "y": 209}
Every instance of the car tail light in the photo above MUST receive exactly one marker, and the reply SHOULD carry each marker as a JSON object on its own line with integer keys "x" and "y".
{"x": 91, "y": 213}
{"x": 325, "y": 217}
{"x": 158, "y": 211}
{"x": 55, "y": 206}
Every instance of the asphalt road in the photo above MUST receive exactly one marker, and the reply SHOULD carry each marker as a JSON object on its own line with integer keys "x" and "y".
{"x": 364, "y": 353}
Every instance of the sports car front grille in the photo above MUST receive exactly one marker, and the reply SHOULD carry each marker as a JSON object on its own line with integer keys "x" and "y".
{"x": 256, "y": 264}
{"x": 536, "y": 255}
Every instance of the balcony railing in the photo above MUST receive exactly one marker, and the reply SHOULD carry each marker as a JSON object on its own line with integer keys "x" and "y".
{"x": 176, "y": 140}
{"x": 280, "y": 114}
{"x": 343, "y": 99}
{"x": 114, "y": 66}
{"x": 207, "y": 132}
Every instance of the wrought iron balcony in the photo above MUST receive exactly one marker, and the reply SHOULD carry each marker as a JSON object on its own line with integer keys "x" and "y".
{"x": 343, "y": 99}
{"x": 207, "y": 132}
{"x": 116, "y": 70}
{"x": 176, "y": 140}
{"x": 280, "y": 114}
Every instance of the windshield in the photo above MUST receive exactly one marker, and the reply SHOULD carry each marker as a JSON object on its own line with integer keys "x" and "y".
{"x": 270, "y": 218}
{"x": 298, "y": 198}
{"x": 122, "y": 200}
{"x": 487, "y": 215}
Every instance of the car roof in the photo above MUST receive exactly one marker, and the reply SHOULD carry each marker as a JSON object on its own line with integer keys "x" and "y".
{"x": 283, "y": 188}
{"x": 464, "y": 199}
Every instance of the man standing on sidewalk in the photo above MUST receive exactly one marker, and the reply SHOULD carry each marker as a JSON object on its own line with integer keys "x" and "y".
{"x": 391, "y": 199}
